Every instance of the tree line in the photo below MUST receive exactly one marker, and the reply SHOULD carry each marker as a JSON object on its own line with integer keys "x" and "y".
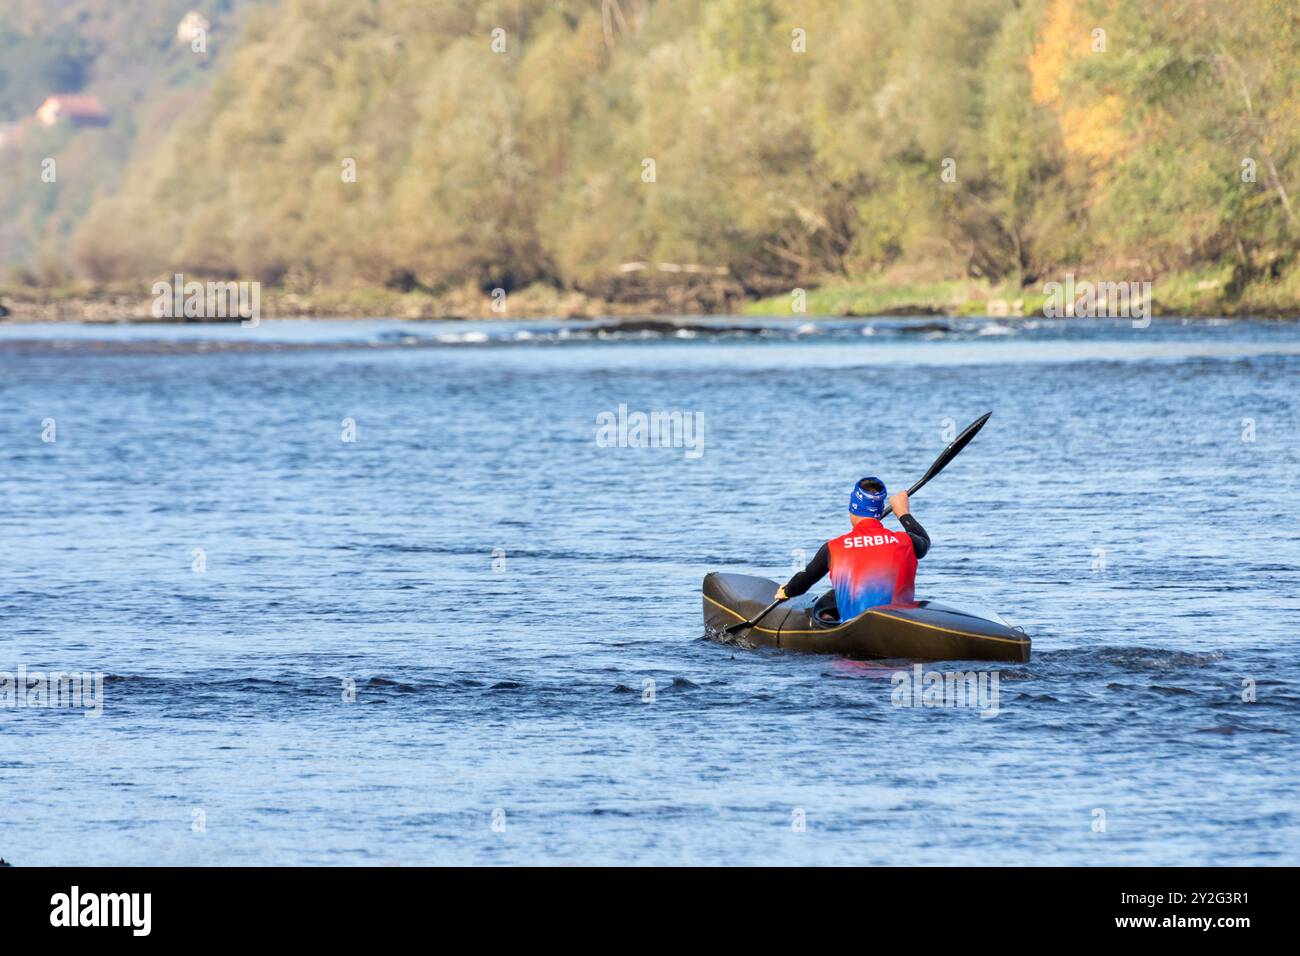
{"x": 437, "y": 143}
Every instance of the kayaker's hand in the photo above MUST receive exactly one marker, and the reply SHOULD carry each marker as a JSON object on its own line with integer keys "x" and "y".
{"x": 899, "y": 502}
{"x": 780, "y": 594}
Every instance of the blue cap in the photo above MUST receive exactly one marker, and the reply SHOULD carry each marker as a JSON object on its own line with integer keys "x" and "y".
{"x": 868, "y": 498}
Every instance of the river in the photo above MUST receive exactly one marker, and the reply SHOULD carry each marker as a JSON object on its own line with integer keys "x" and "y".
{"x": 376, "y": 592}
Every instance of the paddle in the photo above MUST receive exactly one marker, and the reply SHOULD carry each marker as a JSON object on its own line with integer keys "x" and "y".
{"x": 945, "y": 456}
{"x": 733, "y": 628}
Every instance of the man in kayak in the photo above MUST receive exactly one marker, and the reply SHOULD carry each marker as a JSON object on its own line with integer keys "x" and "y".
{"x": 870, "y": 565}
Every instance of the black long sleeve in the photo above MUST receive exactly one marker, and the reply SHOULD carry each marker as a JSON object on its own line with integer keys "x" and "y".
{"x": 820, "y": 565}
{"x": 920, "y": 540}
{"x": 817, "y": 569}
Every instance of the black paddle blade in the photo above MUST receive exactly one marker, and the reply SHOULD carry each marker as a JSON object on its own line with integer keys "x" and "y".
{"x": 954, "y": 448}
{"x": 948, "y": 454}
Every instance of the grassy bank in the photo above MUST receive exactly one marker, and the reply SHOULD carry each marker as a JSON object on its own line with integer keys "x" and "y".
{"x": 1216, "y": 292}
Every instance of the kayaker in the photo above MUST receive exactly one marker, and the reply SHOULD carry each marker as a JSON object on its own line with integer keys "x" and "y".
{"x": 870, "y": 565}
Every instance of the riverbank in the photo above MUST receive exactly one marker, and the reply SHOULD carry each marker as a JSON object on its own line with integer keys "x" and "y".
{"x": 1208, "y": 292}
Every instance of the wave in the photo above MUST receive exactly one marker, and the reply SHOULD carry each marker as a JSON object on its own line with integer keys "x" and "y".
{"x": 300, "y": 335}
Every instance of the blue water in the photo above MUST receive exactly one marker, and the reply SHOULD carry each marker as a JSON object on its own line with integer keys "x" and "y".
{"x": 519, "y": 606}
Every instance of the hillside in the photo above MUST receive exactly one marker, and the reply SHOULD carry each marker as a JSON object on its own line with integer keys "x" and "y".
{"x": 127, "y": 54}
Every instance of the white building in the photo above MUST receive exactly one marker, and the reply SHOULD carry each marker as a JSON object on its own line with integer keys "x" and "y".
{"x": 192, "y": 25}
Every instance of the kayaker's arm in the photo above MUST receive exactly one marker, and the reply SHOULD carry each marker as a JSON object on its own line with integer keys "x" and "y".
{"x": 817, "y": 569}
{"x": 920, "y": 540}
{"x": 901, "y": 505}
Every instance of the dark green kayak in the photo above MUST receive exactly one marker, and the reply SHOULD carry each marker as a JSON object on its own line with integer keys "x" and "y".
{"x": 924, "y": 631}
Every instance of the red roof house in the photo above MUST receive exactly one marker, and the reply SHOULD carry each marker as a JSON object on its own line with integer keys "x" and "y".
{"x": 81, "y": 109}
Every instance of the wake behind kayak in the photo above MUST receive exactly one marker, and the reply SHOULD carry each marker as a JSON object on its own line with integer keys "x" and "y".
{"x": 923, "y": 631}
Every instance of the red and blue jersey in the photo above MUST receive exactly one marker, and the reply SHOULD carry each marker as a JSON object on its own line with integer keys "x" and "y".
{"x": 871, "y": 566}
